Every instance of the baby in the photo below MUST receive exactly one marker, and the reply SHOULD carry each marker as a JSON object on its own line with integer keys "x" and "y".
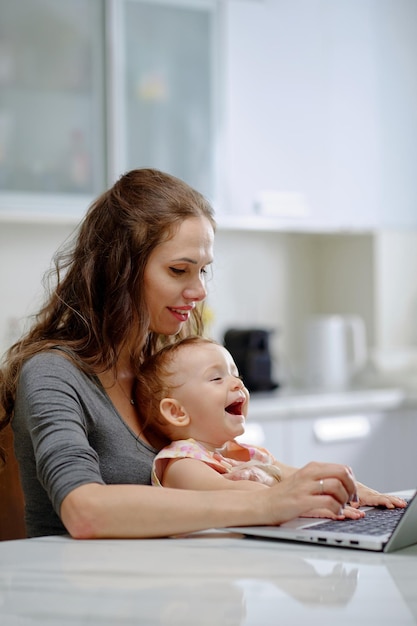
{"x": 192, "y": 401}
{"x": 192, "y": 406}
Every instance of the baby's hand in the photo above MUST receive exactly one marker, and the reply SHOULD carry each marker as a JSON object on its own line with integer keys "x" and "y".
{"x": 251, "y": 473}
{"x": 371, "y": 497}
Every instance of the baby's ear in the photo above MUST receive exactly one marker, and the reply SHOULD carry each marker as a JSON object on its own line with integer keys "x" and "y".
{"x": 173, "y": 412}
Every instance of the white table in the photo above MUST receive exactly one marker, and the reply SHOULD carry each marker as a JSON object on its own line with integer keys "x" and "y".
{"x": 207, "y": 579}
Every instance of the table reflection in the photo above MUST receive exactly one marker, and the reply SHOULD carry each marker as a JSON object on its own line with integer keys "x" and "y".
{"x": 220, "y": 580}
{"x": 192, "y": 583}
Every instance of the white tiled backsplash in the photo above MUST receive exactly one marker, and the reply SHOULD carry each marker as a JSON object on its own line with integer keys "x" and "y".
{"x": 260, "y": 279}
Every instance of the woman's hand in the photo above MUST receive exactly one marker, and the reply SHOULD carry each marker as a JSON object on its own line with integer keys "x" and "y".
{"x": 316, "y": 490}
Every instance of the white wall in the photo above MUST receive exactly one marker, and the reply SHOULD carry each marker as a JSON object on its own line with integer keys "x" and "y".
{"x": 396, "y": 290}
{"x": 276, "y": 280}
{"x": 345, "y": 279}
{"x": 26, "y": 252}
{"x": 263, "y": 280}
{"x": 260, "y": 279}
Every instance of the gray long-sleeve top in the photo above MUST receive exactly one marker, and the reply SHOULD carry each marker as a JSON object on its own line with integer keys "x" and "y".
{"x": 67, "y": 434}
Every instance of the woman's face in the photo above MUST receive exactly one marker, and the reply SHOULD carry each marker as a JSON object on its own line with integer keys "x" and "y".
{"x": 174, "y": 278}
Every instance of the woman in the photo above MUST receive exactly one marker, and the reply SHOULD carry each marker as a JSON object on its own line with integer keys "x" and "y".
{"x": 133, "y": 281}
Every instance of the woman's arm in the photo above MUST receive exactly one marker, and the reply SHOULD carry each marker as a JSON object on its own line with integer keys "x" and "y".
{"x": 138, "y": 511}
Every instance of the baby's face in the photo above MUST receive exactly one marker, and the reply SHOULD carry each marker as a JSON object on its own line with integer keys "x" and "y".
{"x": 208, "y": 386}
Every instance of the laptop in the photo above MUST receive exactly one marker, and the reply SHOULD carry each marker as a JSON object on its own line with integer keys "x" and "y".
{"x": 381, "y": 530}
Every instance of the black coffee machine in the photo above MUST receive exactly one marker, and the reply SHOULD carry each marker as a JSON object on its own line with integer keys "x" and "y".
{"x": 250, "y": 351}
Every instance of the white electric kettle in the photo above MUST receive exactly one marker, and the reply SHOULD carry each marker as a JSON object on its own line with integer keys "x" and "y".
{"x": 335, "y": 350}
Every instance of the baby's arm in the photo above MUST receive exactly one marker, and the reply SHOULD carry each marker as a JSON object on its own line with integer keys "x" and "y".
{"x": 193, "y": 474}
{"x": 266, "y": 473}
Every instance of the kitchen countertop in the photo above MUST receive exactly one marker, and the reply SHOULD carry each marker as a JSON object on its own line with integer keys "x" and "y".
{"x": 213, "y": 579}
{"x": 298, "y": 402}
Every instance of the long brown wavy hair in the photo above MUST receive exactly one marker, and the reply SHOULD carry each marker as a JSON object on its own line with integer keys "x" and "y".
{"x": 97, "y": 301}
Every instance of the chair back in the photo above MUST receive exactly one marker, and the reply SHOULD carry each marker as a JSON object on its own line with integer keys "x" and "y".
{"x": 12, "y": 523}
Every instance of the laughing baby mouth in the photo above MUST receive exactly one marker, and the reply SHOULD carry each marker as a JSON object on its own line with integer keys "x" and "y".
{"x": 235, "y": 408}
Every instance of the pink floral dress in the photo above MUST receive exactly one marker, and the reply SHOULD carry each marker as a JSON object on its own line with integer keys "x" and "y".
{"x": 238, "y": 461}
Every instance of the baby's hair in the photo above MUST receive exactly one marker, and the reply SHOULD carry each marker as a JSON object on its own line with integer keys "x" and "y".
{"x": 153, "y": 384}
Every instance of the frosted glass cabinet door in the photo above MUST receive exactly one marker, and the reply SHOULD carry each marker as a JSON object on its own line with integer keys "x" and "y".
{"x": 51, "y": 96}
{"x": 169, "y": 88}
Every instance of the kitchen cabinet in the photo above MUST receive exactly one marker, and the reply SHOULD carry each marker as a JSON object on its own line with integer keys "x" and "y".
{"x": 169, "y": 88}
{"x": 378, "y": 445}
{"x": 92, "y": 88}
{"x": 397, "y": 96}
{"x": 288, "y": 116}
{"x": 320, "y": 100}
{"x": 51, "y": 105}
{"x": 358, "y": 440}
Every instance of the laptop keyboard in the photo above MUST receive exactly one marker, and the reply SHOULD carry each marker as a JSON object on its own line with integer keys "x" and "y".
{"x": 376, "y": 522}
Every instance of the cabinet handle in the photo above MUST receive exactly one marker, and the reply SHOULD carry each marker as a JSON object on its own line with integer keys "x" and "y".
{"x": 349, "y": 427}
